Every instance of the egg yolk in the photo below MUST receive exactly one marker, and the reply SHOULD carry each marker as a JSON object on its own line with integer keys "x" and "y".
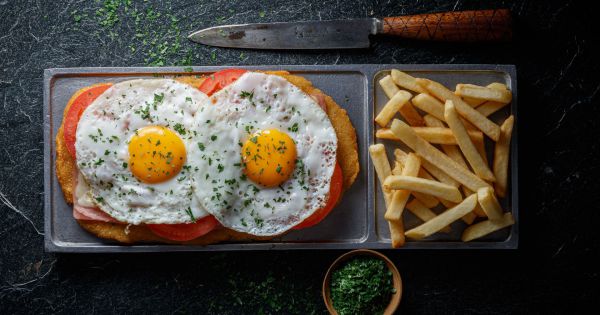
{"x": 156, "y": 154}
{"x": 269, "y": 157}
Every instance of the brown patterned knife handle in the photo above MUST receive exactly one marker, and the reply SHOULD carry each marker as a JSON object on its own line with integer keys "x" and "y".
{"x": 462, "y": 26}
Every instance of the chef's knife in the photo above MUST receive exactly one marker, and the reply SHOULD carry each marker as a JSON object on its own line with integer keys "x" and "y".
{"x": 463, "y": 26}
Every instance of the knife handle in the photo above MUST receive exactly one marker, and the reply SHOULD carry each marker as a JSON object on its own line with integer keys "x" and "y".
{"x": 461, "y": 26}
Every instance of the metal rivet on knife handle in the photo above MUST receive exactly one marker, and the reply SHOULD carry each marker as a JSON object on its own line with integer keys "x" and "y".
{"x": 463, "y": 26}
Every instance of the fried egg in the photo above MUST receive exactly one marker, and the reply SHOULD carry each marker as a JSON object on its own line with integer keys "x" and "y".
{"x": 132, "y": 147}
{"x": 265, "y": 154}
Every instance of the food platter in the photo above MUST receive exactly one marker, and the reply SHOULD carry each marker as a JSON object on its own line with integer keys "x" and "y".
{"x": 357, "y": 222}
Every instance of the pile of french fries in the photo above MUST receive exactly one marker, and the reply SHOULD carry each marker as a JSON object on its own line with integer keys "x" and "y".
{"x": 448, "y": 165}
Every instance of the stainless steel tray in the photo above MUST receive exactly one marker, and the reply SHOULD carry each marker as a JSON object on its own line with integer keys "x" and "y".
{"x": 355, "y": 223}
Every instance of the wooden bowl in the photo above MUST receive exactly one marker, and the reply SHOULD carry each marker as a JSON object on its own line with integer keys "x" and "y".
{"x": 397, "y": 280}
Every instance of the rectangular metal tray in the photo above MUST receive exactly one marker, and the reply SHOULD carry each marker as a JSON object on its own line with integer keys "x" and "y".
{"x": 355, "y": 223}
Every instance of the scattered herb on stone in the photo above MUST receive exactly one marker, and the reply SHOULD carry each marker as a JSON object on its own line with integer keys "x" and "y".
{"x": 156, "y": 35}
{"x": 362, "y": 285}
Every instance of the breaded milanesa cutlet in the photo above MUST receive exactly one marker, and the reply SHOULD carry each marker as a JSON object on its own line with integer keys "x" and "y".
{"x": 347, "y": 157}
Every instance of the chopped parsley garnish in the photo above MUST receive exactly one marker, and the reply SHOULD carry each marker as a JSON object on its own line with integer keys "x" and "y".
{"x": 293, "y": 128}
{"x": 189, "y": 212}
{"x": 144, "y": 112}
{"x": 278, "y": 169}
{"x": 213, "y": 137}
{"x": 158, "y": 98}
{"x": 201, "y": 146}
{"x": 362, "y": 285}
{"x": 220, "y": 168}
{"x": 99, "y": 162}
{"x": 179, "y": 128}
{"x": 124, "y": 164}
{"x": 246, "y": 94}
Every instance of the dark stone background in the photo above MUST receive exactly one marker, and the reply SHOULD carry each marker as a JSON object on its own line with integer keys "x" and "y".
{"x": 555, "y": 269}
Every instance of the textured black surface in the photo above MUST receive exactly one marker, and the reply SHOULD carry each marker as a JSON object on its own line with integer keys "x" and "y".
{"x": 555, "y": 269}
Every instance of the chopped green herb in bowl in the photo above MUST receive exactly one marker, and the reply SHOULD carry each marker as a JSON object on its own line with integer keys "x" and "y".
{"x": 362, "y": 282}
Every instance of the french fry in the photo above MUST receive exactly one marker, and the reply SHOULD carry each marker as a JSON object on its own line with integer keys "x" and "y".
{"x": 486, "y": 227}
{"x": 478, "y": 211}
{"x": 424, "y": 213}
{"x": 382, "y": 167}
{"x": 400, "y": 197}
{"x": 389, "y": 87}
{"x": 483, "y": 93}
{"x": 469, "y": 113}
{"x": 431, "y": 121}
{"x": 401, "y": 157}
{"x": 391, "y": 107}
{"x": 468, "y": 218}
{"x": 476, "y": 102}
{"x": 466, "y": 145}
{"x": 439, "y": 174}
{"x": 451, "y": 150}
{"x": 444, "y": 219}
{"x": 422, "y": 185}
{"x": 430, "y": 105}
{"x": 434, "y": 135}
{"x": 480, "y": 146}
{"x": 427, "y": 200}
{"x": 501, "y": 155}
{"x": 407, "y": 111}
{"x": 489, "y": 108}
{"x": 398, "y": 167}
{"x": 489, "y": 203}
{"x": 497, "y": 86}
{"x": 428, "y": 152}
{"x": 406, "y": 81}
{"x": 473, "y": 102}
{"x": 411, "y": 115}
{"x": 397, "y": 233}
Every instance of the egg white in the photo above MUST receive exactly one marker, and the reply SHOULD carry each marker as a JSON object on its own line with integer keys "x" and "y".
{"x": 102, "y": 139}
{"x": 258, "y": 101}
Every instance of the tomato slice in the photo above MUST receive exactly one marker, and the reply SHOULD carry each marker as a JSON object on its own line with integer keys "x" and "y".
{"x": 219, "y": 80}
{"x": 79, "y": 102}
{"x": 185, "y": 231}
{"x": 335, "y": 190}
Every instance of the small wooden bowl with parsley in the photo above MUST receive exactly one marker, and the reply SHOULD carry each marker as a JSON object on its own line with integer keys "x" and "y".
{"x": 362, "y": 281}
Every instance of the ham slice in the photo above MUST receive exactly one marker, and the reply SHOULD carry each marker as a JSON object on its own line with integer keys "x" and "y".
{"x": 84, "y": 212}
{"x": 320, "y": 99}
{"x": 91, "y": 214}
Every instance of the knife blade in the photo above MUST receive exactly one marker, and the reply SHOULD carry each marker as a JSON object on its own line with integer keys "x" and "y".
{"x": 461, "y": 26}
